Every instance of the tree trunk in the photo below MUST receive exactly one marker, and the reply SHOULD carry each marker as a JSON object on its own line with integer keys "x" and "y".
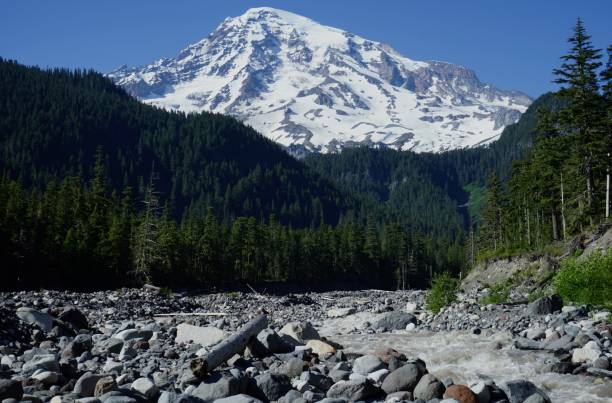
{"x": 227, "y": 348}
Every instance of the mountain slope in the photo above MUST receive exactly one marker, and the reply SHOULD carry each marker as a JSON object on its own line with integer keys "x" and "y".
{"x": 53, "y": 122}
{"x": 312, "y": 88}
{"x": 430, "y": 192}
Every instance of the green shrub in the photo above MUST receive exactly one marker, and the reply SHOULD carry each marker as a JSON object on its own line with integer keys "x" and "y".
{"x": 443, "y": 292}
{"x": 498, "y": 294}
{"x": 587, "y": 281}
{"x": 537, "y": 294}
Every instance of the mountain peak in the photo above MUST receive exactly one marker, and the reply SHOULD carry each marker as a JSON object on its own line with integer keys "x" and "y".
{"x": 315, "y": 88}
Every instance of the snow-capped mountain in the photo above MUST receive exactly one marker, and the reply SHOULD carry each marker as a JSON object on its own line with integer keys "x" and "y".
{"x": 316, "y": 88}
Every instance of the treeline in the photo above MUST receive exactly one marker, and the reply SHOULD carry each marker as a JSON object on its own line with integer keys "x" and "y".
{"x": 76, "y": 234}
{"x": 52, "y": 122}
{"x": 559, "y": 188}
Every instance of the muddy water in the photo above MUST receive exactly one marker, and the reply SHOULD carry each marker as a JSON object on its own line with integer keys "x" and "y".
{"x": 467, "y": 358}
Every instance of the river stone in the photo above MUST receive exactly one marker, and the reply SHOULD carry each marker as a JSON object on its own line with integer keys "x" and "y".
{"x": 218, "y": 386}
{"x": 10, "y": 389}
{"x": 403, "y": 378}
{"x": 134, "y": 334}
{"x": 353, "y": 391}
{"x": 429, "y": 387}
{"x": 273, "y": 386}
{"x": 320, "y": 347}
{"x": 40, "y": 361}
{"x": 460, "y": 393}
{"x": 368, "y": 363}
{"x": 73, "y": 317}
{"x": 395, "y": 320}
{"x": 398, "y": 397}
{"x": 545, "y": 305}
{"x": 590, "y": 352}
{"x": 340, "y": 312}
{"x": 535, "y": 398}
{"x": 378, "y": 376}
{"x": 273, "y": 342}
{"x": 30, "y": 315}
{"x": 48, "y": 378}
{"x": 317, "y": 380}
{"x": 241, "y": 398}
{"x": 518, "y": 391}
{"x": 206, "y": 336}
{"x": 145, "y": 386}
{"x": 85, "y": 386}
{"x": 300, "y": 331}
{"x": 105, "y": 385}
{"x": 78, "y": 346}
{"x": 481, "y": 390}
{"x": 292, "y": 367}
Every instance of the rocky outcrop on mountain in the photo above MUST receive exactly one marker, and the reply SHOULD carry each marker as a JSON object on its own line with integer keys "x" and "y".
{"x": 314, "y": 88}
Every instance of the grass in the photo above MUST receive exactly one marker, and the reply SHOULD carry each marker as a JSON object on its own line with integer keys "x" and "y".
{"x": 443, "y": 291}
{"x": 587, "y": 281}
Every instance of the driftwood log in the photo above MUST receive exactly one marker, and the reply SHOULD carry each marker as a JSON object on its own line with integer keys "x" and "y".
{"x": 226, "y": 349}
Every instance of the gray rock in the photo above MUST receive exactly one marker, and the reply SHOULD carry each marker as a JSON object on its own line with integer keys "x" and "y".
{"x": 110, "y": 346}
{"x": 30, "y": 315}
{"x": 523, "y": 343}
{"x": 293, "y": 367}
{"x": 217, "y": 386}
{"x": 73, "y": 317}
{"x": 429, "y": 387}
{"x": 205, "y": 336}
{"x": 46, "y": 362}
{"x": 85, "y": 386}
{"x": 535, "y": 398}
{"x": 403, "y": 378}
{"x": 368, "y": 363}
{"x": 519, "y": 390}
{"x": 545, "y": 305}
{"x": 317, "y": 380}
{"x": 603, "y": 373}
{"x": 481, "y": 390}
{"x": 134, "y": 334}
{"x": 169, "y": 397}
{"x": 353, "y": 390}
{"x": 300, "y": 331}
{"x": 273, "y": 386}
{"x": 146, "y": 387}
{"x": 398, "y": 396}
{"x": 10, "y": 389}
{"x": 290, "y": 396}
{"x": 340, "y": 312}
{"x": 395, "y": 320}
{"x": 240, "y": 398}
{"x": 273, "y": 342}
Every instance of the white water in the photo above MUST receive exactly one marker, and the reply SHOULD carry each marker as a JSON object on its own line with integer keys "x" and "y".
{"x": 468, "y": 358}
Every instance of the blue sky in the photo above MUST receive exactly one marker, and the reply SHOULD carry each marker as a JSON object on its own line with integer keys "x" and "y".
{"x": 512, "y": 44}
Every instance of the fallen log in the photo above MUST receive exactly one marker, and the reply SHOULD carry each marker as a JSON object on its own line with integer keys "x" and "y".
{"x": 192, "y": 314}
{"x": 226, "y": 349}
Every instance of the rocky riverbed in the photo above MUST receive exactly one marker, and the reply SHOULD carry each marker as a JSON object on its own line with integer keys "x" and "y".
{"x": 144, "y": 345}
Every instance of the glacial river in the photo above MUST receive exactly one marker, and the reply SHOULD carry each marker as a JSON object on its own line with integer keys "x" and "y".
{"x": 468, "y": 358}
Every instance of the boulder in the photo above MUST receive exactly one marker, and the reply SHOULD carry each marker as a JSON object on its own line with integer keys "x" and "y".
{"x": 394, "y": 320}
{"x": 46, "y": 362}
{"x": 240, "y": 398}
{"x": 273, "y": 386}
{"x": 146, "y": 387}
{"x": 10, "y": 389}
{"x": 206, "y": 336}
{"x": 387, "y": 353}
{"x": 85, "y": 386}
{"x": 30, "y": 315}
{"x": 545, "y": 305}
{"x": 292, "y": 367}
{"x": 321, "y": 347}
{"x": 273, "y": 342}
{"x": 340, "y": 312}
{"x": 105, "y": 385}
{"x": 300, "y": 331}
{"x": 518, "y": 391}
{"x": 368, "y": 363}
{"x": 589, "y": 353}
{"x": 404, "y": 378}
{"x": 353, "y": 391}
{"x": 429, "y": 387}
{"x": 74, "y": 318}
{"x": 460, "y": 393}
{"x": 218, "y": 385}
{"x": 134, "y": 334}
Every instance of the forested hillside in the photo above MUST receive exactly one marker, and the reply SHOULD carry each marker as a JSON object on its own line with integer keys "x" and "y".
{"x": 52, "y": 124}
{"x": 95, "y": 183}
{"x": 560, "y": 188}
